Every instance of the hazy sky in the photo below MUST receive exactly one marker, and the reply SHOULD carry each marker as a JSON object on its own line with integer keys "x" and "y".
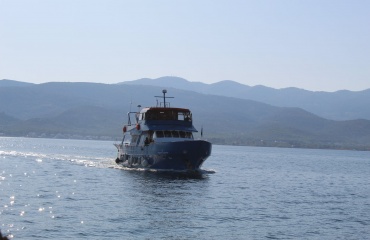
{"x": 315, "y": 45}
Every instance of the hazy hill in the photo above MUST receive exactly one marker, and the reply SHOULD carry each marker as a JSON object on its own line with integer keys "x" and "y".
{"x": 84, "y": 121}
{"x": 233, "y": 88}
{"x": 91, "y": 109}
{"x": 6, "y": 120}
{"x": 340, "y": 105}
{"x": 13, "y": 83}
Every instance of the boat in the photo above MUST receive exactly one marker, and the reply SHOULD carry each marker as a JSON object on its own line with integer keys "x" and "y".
{"x": 162, "y": 138}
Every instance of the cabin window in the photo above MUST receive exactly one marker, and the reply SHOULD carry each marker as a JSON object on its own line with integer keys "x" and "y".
{"x": 166, "y": 115}
{"x": 189, "y": 135}
{"x": 182, "y": 134}
{"x": 175, "y": 134}
{"x": 159, "y": 134}
{"x": 167, "y": 134}
{"x": 141, "y": 116}
{"x": 180, "y": 116}
{"x": 184, "y": 116}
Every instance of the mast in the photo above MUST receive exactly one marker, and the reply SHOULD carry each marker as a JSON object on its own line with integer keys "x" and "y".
{"x": 164, "y": 91}
{"x": 164, "y": 97}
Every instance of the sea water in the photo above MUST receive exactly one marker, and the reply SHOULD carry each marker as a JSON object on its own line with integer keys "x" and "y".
{"x": 58, "y": 189}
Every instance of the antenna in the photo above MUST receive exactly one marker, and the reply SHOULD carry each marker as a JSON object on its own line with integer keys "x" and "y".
{"x": 164, "y": 91}
{"x": 164, "y": 96}
{"x": 128, "y": 114}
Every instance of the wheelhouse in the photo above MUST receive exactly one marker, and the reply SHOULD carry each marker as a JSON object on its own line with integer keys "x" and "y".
{"x": 165, "y": 114}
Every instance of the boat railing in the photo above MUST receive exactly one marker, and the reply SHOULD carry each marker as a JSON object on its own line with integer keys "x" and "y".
{"x": 129, "y": 118}
{"x": 163, "y": 104}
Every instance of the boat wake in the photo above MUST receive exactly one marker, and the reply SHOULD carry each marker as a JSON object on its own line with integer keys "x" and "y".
{"x": 99, "y": 162}
{"x": 86, "y": 161}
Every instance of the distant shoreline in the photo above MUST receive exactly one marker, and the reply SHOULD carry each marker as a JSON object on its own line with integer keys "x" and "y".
{"x": 271, "y": 144}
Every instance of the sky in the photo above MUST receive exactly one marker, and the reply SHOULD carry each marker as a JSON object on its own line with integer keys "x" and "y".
{"x": 319, "y": 45}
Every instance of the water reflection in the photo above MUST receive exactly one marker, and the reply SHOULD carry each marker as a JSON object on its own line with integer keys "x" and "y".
{"x": 165, "y": 201}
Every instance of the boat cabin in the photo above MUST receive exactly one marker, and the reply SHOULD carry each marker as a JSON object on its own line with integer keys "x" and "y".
{"x": 174, "y": 114}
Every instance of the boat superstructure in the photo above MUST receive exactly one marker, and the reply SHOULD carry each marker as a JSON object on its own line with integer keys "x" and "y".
{"x": 161, "y": 137}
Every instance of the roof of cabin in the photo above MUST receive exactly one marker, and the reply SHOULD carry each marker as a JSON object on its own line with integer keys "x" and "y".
{"x": 162, "y": 109}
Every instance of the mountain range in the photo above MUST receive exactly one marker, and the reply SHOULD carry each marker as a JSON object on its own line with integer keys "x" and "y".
{"x": 93, "y": 110}
{"x": 339, "y": 105}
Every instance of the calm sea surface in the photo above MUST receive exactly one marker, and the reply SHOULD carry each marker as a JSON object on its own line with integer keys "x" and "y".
{"x": 57, "y": 189}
